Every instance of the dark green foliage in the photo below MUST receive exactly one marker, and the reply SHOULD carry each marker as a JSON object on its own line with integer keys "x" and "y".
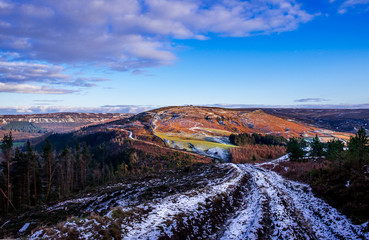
{"x": 23, "y": 126}
{"x": 344, "y": 184}
{"x": 255, "y": 138}
{"x": 334, "y": 149}
{"x": 7, "y": 148}
{"x": 295, "y": 148}
{"x": 61, "y": 141}
{"x": 316, "y": 147}
{"x": 358, "y": 149}
{"x": 7, "y": 145}
{"x": 57, "y": 171}
{"x": 49, "y": 165}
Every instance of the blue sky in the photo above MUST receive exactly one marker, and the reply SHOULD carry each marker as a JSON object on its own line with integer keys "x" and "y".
{"x": 130, "y": 55}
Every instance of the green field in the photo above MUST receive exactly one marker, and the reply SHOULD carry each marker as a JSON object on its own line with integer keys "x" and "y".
{"x": 198, "y": 143}
{"x": 18, "y": 144}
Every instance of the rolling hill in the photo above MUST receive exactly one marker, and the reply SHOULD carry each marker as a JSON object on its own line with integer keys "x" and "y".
{"x": 205, "y": 130}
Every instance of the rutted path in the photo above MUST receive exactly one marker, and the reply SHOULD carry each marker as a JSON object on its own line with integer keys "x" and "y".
{"x": 247, "y": 202}
{"x": 277, "y": 208}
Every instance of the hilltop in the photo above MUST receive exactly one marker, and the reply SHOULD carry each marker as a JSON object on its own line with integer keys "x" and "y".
{"x": 206, "y": 130}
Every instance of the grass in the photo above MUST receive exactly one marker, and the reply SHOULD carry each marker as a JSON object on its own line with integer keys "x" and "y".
{"x": 18, "y": 144}
{"x": 194, "y": 141}
{"x": 217, "y": 131}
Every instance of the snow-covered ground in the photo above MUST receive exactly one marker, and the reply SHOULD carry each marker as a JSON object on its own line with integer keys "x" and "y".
{"x": 247, "y": 202}
{"x": 153, "y": 217}
{"x": 284, "y": 209}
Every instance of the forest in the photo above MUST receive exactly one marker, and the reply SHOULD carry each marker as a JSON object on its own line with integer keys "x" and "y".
{"x": 66, "y": 164}
{"x": 256, "y": 138}
{"x": 24, "y": 126}
{"x": 256, "y": 147}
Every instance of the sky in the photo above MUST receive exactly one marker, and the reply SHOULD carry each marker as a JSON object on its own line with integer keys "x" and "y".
{"x": 134, "y": 55}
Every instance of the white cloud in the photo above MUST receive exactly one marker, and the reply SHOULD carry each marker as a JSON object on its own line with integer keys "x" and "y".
{"x": 133, "y": 34}
{"x": 12, "y": 71}
{"x": 314, "y": 100}
{"x": 26, "y": 88}
{"x": 351, "y": 4}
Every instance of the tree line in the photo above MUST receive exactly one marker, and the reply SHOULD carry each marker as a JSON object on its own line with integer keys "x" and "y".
{"x": 29, "y": 178}
{"x": 357, "y": 150}
{"x": 65, "y": 164}
{"x": 256, "y": 138}
{"x": 342, "y": 178}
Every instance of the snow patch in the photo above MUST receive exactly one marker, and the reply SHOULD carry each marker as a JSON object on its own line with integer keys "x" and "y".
{"x": 24, "y": 228}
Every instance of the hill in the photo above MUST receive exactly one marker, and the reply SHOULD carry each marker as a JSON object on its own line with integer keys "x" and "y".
{"x": 29, "y": 126}
{"x": 343, "y": 120}
{"x": 206, "y": 130}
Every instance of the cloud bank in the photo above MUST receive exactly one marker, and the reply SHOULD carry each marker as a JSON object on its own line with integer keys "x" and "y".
{"x": 25, "y": 88}
{"x": 55, "y": 109}
{"x": 141, "y": 108}
{"x": 132, "y": 34}
{"x": 17, "y": 75}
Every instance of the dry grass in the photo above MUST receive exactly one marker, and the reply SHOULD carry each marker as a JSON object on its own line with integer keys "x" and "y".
{"x": 253, "y": 153}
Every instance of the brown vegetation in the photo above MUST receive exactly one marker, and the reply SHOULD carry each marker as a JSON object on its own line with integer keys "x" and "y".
{"x": 221, "y": 121}
{"x": 253, "y": 153}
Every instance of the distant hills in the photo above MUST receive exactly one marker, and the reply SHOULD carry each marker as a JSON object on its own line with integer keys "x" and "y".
{"x": 29, "y": 126}
{"x": 194, "y": 128}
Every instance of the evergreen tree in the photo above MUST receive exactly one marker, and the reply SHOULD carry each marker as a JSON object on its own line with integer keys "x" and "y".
{"x": 79, "y": 165}
{"x": 49, "y": 165}
{"x": 31, "y": 172}
{"x": 295, "y": 148}
{"x": 86, "y": 158}
{"x": 334, "y": 149}
{"x": 19, "y": 177}
{"x": 358, "y": 147}
{"x": 316, "y": 147}
{"x": 7, "y": 148}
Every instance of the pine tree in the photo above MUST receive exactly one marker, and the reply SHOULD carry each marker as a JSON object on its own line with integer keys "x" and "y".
{"x": 316, "y": 147}
{"x": 7, "y": 148}
{"x": 79, "y": 165}
{"x": 86, "y": 158}
{"x": 335, "y": 148}
{"x": 358, "y": 147}
{"x": 49, "y": 165}
{"x": 295, "y": 148}
{"x": 31, "y": 174}
{"x": 19, "y": 177}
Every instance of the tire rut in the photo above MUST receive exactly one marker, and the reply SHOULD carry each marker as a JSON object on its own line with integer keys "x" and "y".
{"x": 276, "y": 208}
